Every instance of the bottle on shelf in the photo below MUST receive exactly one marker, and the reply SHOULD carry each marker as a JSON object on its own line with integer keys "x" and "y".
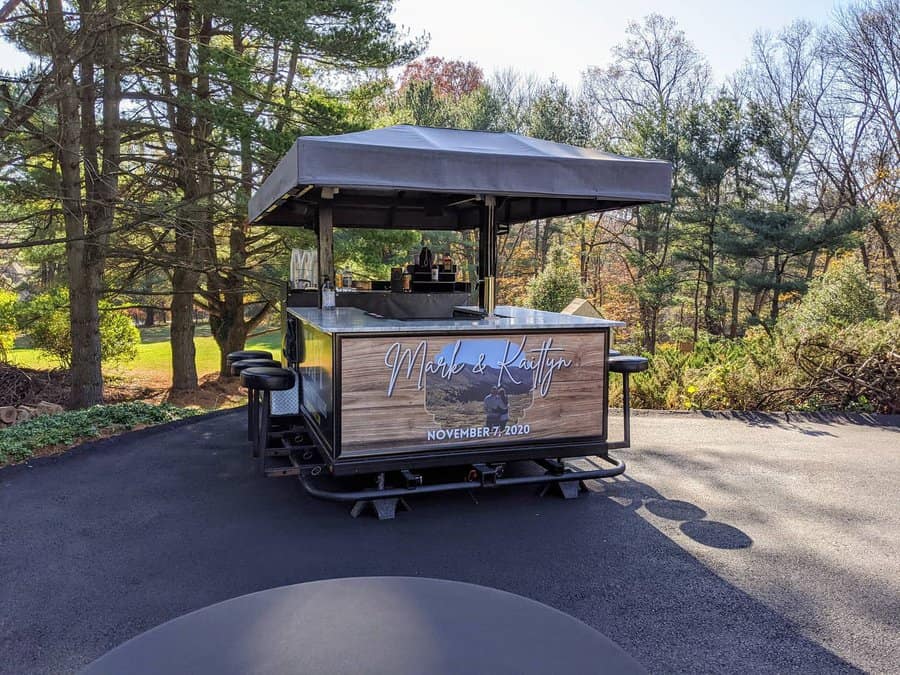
{"x": 328, "y": 293}
{"x": 448, "y": 263}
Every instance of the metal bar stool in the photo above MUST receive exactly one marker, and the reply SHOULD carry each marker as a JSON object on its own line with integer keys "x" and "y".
{"x": 626, "y": 365}
{"x": 263, "y": 381}
{"x": 252, "y": 404}
{"x": 234, "y": 357}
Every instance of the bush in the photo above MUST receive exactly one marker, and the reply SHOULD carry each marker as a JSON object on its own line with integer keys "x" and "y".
{"x": 716, "y": 375}
{"x": 855, "y": 368}
{"x": 20, "y": 441}
{"x": 46, "y": 319}
{"x": 830, "y": 353}
{"x": 841, "y": 297}
{"x": 9, "y": 304}
{"x": 556, "y": 285}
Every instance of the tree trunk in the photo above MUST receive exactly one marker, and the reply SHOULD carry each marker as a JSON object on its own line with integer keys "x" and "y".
{"x": 776, "y": 291}
{"x": 811, "y": 265}
{"x": 149, "y": 317}
{"x": 709, "y": 318}
{"x": 229, "y": 330}
{"x": 78, "y": 138}
{"x": 648, "y": 328}
{"x": 888, "y": 251}
{"x": 185, "y": 276}
{"x": 735, "y": 309}
{"x": 697, "y": 305}
{"x": 546, "y": 233}
{"x": 85, "y": 261}
{"x": 583, "y": 255}
{"x": 225, "y": 295}
{"x": 84, "y": 316}
{"x": 184, "y": 366}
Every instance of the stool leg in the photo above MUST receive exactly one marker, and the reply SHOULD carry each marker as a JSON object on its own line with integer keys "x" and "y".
{"x": 252, "y": 412}
{"x": 262, "y": 432}
{"x": 250, "y": 415}
{"x": 626, "y": 409}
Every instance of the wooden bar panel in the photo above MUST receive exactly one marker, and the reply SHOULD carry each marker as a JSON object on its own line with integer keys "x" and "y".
{"x": 401, "y": 394}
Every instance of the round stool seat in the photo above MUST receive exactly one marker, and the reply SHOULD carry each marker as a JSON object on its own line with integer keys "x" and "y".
{"x": 247, "y": 354}
{"x": 268, "y": 379}
{"x": 239, "y": 366}
{"x": 627, "y": 364}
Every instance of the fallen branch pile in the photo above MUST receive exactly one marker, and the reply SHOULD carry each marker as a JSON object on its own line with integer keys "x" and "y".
{"x": 25, "y": 394}
{"x": 843, "y": 377}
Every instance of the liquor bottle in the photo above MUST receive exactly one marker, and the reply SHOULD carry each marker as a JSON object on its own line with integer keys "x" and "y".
{"x": 328, "y": 295}
{"x": 448, "y": 263}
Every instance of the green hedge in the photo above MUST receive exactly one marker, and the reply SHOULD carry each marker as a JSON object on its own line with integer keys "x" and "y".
{"x": 20, "y": 441}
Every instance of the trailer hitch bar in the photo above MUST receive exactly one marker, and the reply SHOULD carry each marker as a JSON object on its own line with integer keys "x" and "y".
{"x": 487, "y": 474}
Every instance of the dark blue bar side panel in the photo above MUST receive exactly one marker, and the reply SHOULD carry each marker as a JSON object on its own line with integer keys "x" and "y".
{"x": 317, "y": 375}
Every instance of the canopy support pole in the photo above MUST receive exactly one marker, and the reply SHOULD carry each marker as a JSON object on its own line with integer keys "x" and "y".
{"x": 325, "y": 234}
{"x": 489, "y": 256}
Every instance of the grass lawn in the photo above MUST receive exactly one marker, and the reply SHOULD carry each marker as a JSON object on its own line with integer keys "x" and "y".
{"x": 153, "y": 364}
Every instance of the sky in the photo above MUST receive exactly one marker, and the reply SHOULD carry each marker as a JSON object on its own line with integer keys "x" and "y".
{"x": 563, "y": 37}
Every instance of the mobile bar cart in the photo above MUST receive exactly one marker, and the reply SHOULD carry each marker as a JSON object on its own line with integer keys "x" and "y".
{"x": 395, "y": 383}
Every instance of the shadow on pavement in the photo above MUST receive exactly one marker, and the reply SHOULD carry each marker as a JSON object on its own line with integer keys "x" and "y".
{"x": 792, "y": 420}
{"x": 715, "y": 534}
{"x": 693, "y": 518}
{"x": 105, "y": 543}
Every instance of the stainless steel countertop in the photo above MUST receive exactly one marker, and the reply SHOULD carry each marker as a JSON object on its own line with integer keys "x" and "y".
{"x": 353, "y": 320}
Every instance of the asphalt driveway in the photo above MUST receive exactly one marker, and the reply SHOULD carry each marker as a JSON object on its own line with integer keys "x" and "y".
{"x": 758, "y": 545}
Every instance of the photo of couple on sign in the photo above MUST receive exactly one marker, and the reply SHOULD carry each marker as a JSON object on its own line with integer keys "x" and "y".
{"x": 485, "y": 391}
{"x": 496, "y": 408}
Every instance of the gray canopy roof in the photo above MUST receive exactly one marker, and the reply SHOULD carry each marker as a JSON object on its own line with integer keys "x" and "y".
{"x": 426, "y": 178}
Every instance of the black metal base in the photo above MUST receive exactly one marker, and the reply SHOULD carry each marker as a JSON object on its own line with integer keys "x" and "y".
{"x": 568, "y": 489}
{"x": 384, "y": 500}
{"x": 385, "y": 509}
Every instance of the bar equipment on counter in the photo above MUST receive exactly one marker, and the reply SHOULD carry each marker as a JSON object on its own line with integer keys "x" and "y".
{"x": 397, "y": 279}
{"x": 328, "y": 293}
{"x": 304, "y": 263}
{"x": 426, "y": 259}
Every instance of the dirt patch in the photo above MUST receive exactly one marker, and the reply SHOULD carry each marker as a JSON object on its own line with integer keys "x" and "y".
{"x": 214, "y": 392}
